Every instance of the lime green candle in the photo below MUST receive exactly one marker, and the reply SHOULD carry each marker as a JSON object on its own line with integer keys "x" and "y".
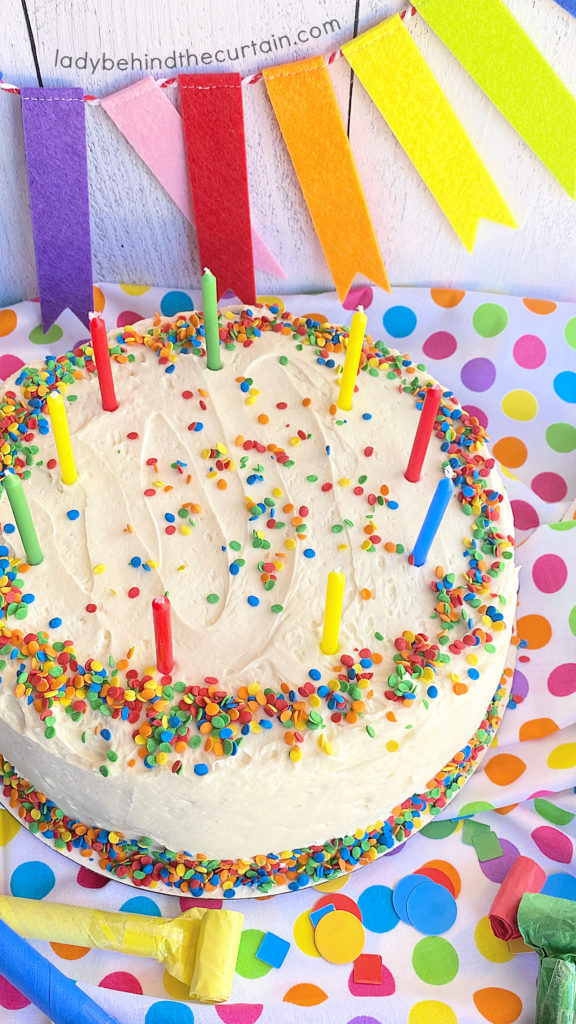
{"x": 211, "y": 331}
{"x": 28, "y": 536}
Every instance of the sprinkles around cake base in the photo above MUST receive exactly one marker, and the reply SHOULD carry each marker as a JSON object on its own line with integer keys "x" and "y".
{"x": 139, "y": 863}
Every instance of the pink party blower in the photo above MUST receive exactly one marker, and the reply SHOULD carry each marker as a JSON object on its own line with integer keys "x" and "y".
{"x": 44, "y": 985}
{"x": 525, "y": 875}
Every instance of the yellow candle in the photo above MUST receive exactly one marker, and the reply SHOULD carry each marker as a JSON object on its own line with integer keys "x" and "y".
{"x": 57, "y": 412}
{"x": 333, "y": 612}
{"x": 352, "y": 360}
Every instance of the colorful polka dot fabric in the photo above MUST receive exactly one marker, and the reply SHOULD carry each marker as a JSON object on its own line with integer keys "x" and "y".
{"x": 512, "y": 362}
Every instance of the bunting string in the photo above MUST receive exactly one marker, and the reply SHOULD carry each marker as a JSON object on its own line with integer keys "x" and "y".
{"x": 169, "y": 83}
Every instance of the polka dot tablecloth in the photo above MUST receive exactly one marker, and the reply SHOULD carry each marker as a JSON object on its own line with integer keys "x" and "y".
{"x": 512, "y": 362}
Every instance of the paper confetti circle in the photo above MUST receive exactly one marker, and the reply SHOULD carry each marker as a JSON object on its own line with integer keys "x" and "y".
{"x": 402, "y": 890}
{"x": 340, "y": 902}
{"x": 434, "y": 868}
{"x": 339, "y": 937}
{"x": 378, "y": 914}
{"x": 431, "y": 909}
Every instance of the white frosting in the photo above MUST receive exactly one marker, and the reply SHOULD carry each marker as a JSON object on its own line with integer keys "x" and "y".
{"x": 259, "y": 800}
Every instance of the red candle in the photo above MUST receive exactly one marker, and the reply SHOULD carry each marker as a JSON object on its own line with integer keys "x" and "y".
{"x": 163, "y": 635}
{"x": 102, "y": 360}
{"x": 423, "y": 434}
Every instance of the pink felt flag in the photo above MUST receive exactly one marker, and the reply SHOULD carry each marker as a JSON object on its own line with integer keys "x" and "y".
{"x": 153, "y": 127}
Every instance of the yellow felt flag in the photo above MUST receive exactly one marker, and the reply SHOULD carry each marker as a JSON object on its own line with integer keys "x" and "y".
{"x": 488, "y": 41}
{"x": 310, "y": 121}
{"x": 398, "y": 79}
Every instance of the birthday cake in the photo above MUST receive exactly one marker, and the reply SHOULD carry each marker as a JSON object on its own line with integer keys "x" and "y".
{"x": 259, "y": 761}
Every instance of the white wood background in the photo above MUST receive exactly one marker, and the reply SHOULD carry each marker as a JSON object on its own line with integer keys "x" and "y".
{"x": 138, "y": 234}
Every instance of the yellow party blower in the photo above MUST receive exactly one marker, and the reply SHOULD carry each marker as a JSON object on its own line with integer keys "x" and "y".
{"x": 199, "y": 948}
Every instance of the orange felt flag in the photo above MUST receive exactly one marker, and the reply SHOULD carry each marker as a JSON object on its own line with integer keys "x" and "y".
{"x": 310, "y": 121}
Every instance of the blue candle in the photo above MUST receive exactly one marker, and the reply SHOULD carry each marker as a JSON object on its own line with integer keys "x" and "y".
{"x": 432, "y": 520}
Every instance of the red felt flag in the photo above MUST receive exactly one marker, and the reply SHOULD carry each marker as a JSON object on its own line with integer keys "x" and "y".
{"x": 213, "y": 115}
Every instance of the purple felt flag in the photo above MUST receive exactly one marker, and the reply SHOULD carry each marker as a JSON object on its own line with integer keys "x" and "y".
{"x": 55, "y": 140}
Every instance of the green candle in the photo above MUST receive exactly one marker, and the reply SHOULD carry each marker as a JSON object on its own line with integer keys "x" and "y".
{"x": 21, "y": 512}
{"x": 212, "y": 334}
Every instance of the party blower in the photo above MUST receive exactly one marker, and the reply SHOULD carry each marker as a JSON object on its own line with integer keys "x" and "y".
{"x": 548, "y": 924}
{"x": 44, "y": 985}
{"x": 199, "y": 948}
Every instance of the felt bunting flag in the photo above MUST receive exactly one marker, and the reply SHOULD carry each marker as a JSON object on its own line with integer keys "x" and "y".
{"x": 153, "y": 127}
{"x": 398, "y": 79}
{"x": 307, "y": 111}
{"x": 495, "y": 50}
{"x": 55, "y": 141}
{"x": 213, "y": 115}
{"x": 568, "y": 5}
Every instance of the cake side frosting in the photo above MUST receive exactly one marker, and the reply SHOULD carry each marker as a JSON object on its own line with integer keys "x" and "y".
{"x": 237, "y": 492}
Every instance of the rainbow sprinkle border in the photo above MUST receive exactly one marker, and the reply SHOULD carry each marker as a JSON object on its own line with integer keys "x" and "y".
{"x": 140, "y": 863}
